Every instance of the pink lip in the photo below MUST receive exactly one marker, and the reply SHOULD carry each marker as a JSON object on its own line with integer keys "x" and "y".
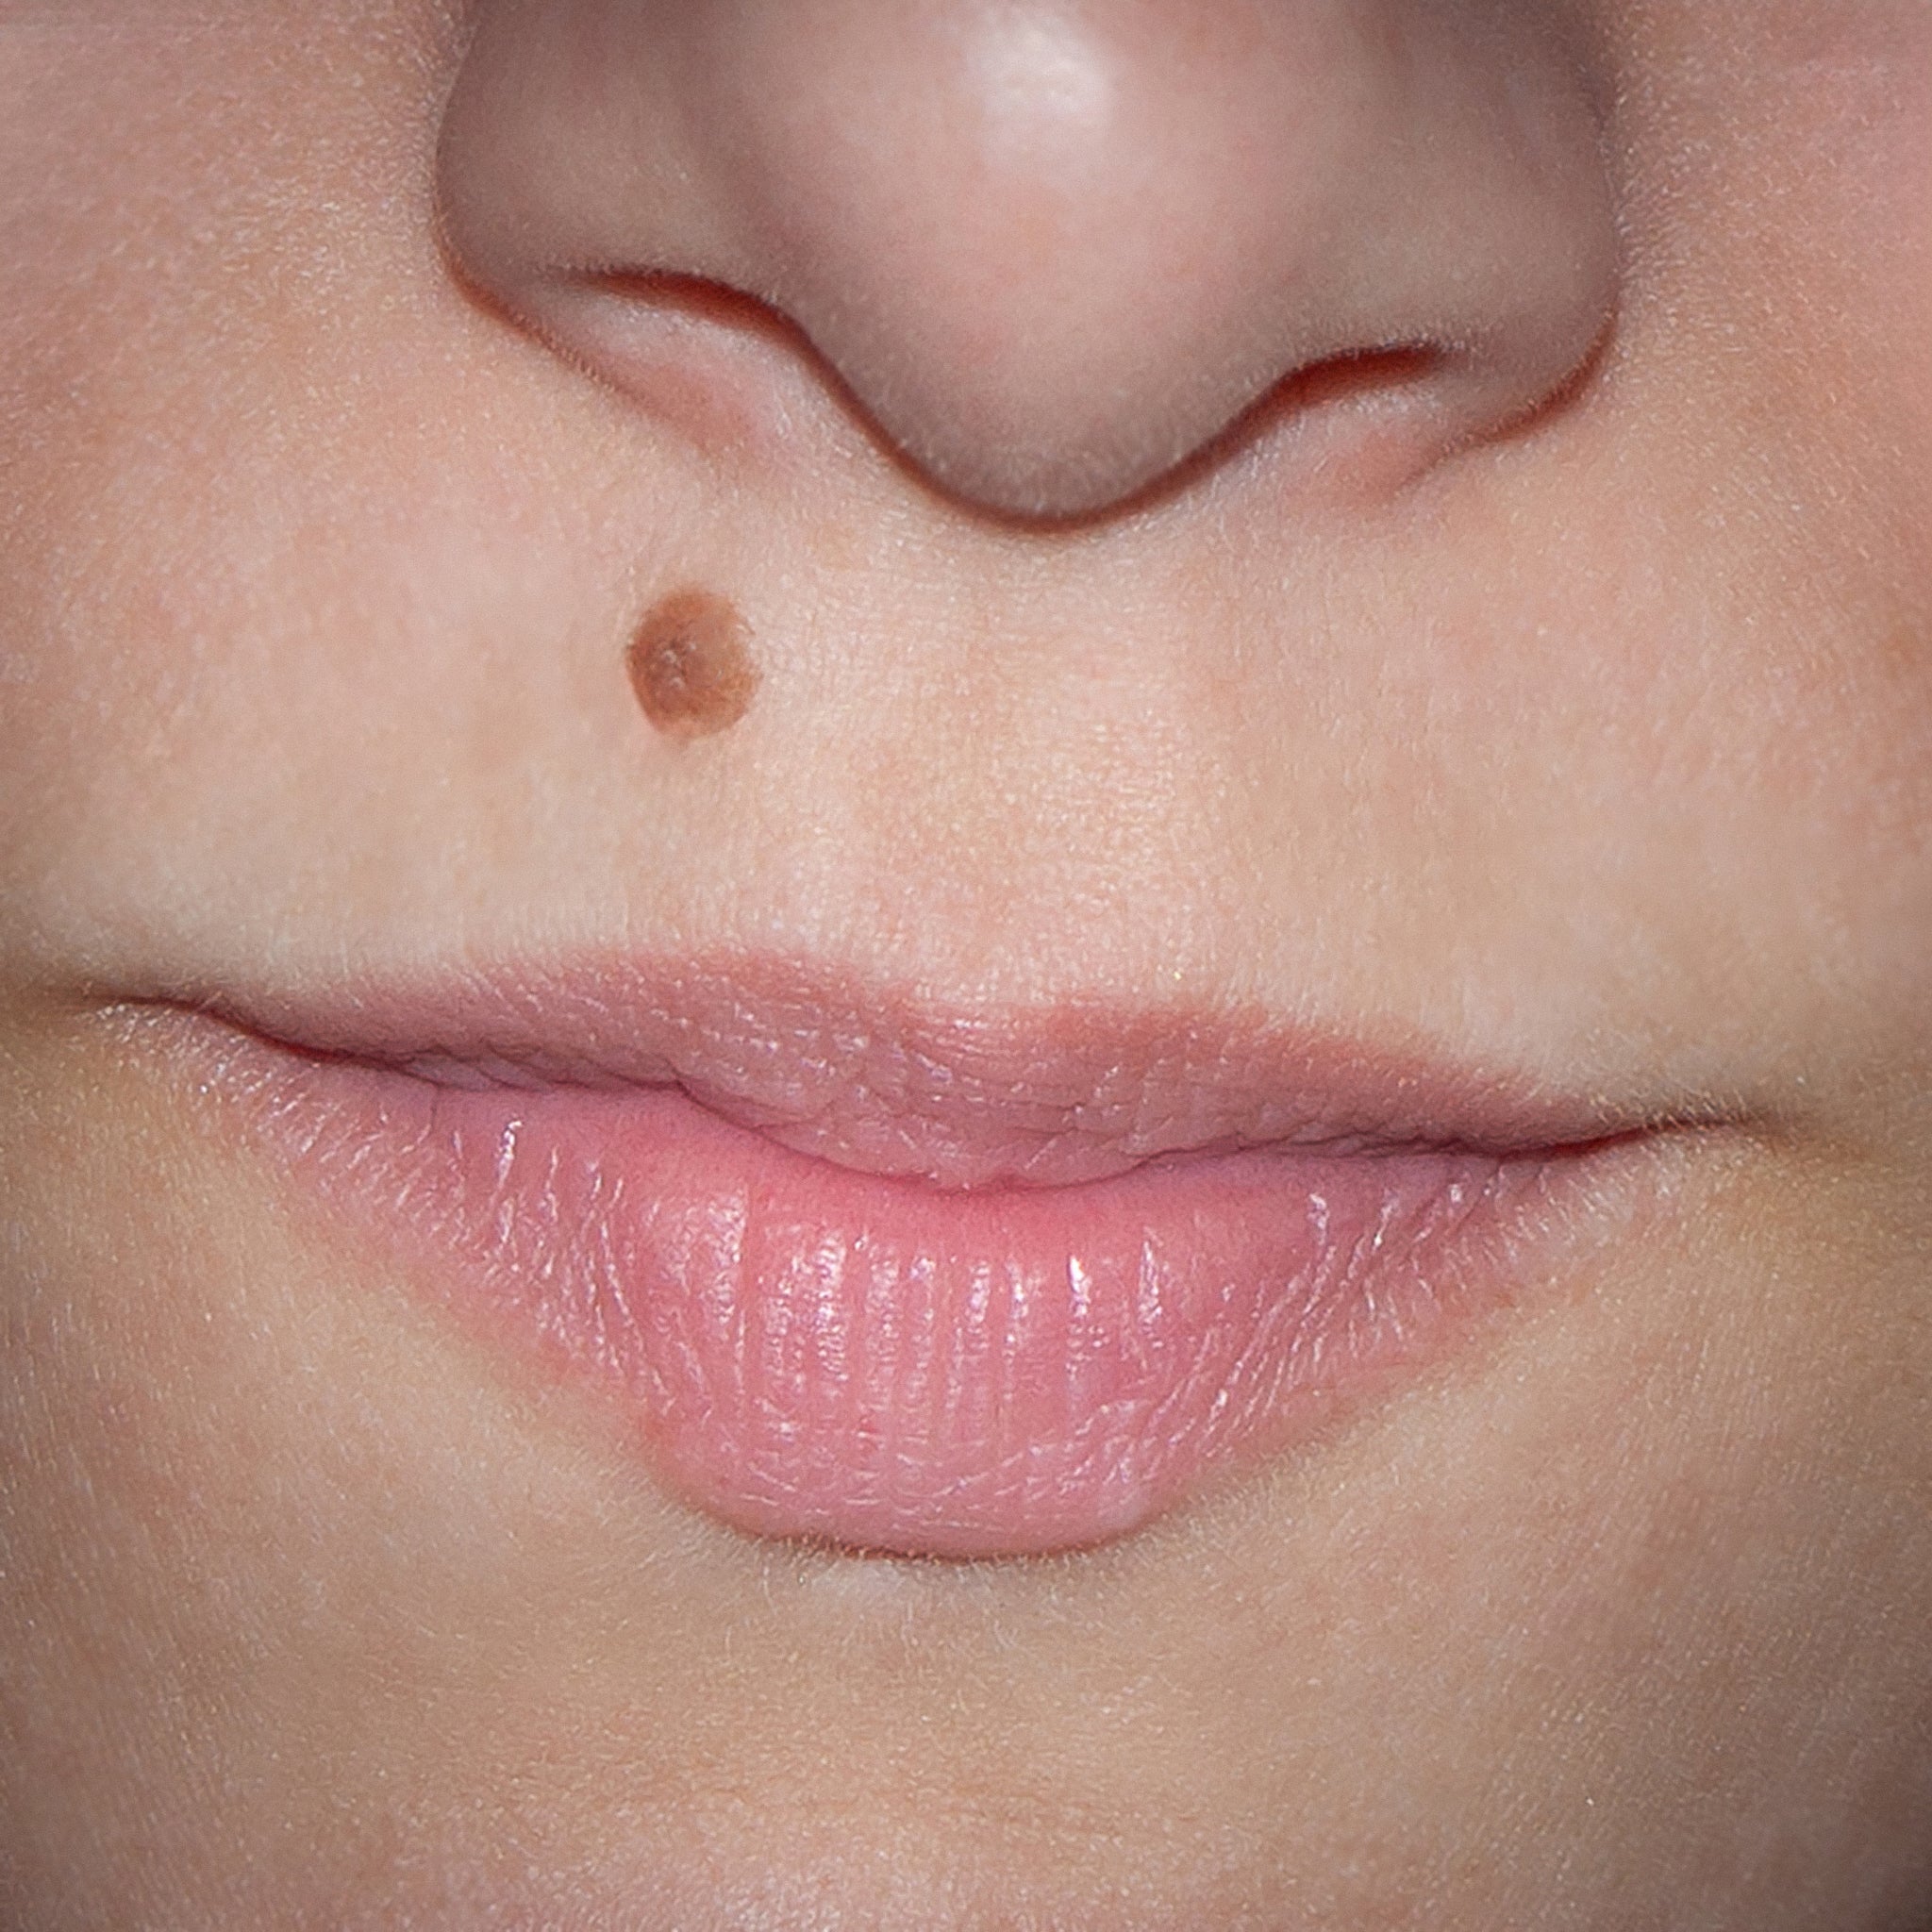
{"x": 1018, "y": 1282}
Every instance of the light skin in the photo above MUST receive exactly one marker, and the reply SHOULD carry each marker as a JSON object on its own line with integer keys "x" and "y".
{"x": 1574, "y": 715}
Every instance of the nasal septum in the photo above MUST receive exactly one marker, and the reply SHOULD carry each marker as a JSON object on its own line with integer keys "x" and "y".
{"x": 1051, "y": 250}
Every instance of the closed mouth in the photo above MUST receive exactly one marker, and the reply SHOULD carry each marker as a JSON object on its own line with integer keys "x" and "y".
{"x": 961, "y": 1282}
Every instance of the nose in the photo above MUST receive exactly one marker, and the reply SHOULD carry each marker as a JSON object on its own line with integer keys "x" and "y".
{"x": 1055, "y": 248}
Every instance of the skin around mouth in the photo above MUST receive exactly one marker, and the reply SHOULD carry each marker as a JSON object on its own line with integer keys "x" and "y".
{"x": 1034, "y": 1322}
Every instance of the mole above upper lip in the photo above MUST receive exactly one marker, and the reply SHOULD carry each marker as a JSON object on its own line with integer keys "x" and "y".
{"x": 690, "y": 664}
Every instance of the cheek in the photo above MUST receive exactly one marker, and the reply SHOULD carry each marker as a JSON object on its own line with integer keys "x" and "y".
{"x": 182, "y": 285}
{"x": 1738, "y": 719}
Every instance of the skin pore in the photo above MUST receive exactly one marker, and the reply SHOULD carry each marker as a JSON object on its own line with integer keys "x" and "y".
{"x": 1412, "y": 518}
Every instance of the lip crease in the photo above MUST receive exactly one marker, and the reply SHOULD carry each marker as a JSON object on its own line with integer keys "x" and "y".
{"x": 905, "y": 1278}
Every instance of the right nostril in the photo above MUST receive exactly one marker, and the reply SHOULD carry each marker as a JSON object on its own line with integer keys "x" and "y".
{"x": 695, "y": 298}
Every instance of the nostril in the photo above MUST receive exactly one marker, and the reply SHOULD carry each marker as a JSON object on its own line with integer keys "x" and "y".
{"x": 694, "y": 298}
{"x": 1359, "y": 375}
{"x": 667, "y": 339}
{"x": 1427, "y": 394}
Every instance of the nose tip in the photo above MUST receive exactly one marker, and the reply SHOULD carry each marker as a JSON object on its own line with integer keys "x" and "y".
{"x": 1053, "y": 250}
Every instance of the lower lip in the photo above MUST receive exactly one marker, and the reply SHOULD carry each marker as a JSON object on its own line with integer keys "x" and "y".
{"x": 810, "y": 1352}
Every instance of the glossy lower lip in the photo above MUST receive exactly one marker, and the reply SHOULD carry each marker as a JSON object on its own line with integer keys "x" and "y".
{"x": 808, "y": 1347}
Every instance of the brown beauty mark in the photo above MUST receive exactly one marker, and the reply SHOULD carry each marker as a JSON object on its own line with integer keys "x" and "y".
{"x": 690, "y": 664}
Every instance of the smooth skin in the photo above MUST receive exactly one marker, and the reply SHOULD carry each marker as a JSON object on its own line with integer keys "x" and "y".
{"x": 1489, "y": 594}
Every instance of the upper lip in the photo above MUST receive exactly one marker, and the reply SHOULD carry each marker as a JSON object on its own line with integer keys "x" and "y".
{"x": 959, "y": 1095}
